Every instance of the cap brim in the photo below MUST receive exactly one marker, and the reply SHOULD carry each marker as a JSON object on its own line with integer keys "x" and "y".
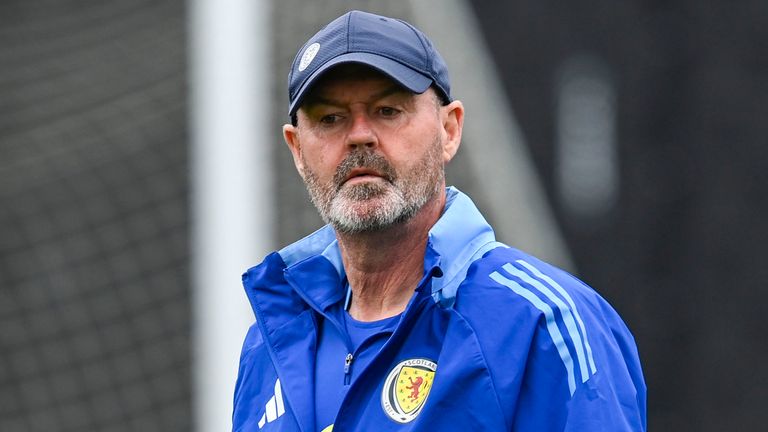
{"x": 405, "y": 76}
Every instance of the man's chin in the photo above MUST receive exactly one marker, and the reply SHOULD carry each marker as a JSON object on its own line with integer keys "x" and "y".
{"x": 365, "y": 215}
{"x": 363, "y": 208}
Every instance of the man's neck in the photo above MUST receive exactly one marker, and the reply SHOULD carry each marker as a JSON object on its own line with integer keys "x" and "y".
{"x": 384, "y": 267}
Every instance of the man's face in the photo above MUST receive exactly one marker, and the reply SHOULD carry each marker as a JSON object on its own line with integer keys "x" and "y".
{"x": 371, "y": 154}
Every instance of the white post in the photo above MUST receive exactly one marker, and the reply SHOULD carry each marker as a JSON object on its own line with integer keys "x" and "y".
{"x": 231, "y": 197}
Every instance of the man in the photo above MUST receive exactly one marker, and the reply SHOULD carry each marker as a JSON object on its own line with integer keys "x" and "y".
{"x": 404, "y": 313}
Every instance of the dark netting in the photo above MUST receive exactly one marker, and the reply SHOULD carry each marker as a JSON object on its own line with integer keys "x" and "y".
{"x": 94, "y": 298}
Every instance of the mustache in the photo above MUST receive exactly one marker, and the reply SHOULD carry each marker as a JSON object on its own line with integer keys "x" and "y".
{"x": 364, "y": 159}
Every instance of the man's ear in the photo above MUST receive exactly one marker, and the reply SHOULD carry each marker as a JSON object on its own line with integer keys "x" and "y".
{"x": 452, "y": 117}
{"x": 291, "y": 137}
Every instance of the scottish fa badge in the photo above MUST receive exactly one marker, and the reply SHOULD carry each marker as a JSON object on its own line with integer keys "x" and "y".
{"x": 406, "y": 389}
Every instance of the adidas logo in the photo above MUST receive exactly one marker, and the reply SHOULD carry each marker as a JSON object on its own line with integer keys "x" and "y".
{"x": 274, "y": 408}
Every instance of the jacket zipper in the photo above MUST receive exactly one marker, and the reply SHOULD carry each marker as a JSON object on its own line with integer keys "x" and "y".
{"x": 348, "y": 368}
{"x": 349, "y": 357}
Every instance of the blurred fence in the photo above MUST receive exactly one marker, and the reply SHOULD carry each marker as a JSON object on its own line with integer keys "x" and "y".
{"x": 94, "y": 302}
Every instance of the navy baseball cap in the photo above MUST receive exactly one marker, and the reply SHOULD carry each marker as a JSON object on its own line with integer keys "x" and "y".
{"x": 389, "y": 45}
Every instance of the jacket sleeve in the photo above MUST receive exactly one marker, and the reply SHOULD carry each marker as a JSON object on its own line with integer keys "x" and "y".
{"x": 253, "y": 386}
{"x": 562, "y": 359}
{"x": 610, "y": 399}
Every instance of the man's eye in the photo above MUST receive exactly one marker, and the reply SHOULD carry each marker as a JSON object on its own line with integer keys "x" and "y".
{"x": 388, "y": 111}
{"x": 329, "y": 119}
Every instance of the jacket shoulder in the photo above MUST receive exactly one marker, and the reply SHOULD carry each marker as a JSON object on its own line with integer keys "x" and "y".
{"x": 521, "y": 281}
{"x": 551, "y": 340}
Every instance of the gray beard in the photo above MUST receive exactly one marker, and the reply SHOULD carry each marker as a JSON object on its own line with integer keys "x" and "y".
{"x": 375, "y": 206}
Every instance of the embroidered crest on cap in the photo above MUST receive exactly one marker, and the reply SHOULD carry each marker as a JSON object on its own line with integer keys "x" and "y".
{"x": 406, "y": 389}
{"x": 308, "y": 56}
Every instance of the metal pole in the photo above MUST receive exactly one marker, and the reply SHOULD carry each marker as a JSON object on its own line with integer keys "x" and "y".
{"x": 231, "y": 176}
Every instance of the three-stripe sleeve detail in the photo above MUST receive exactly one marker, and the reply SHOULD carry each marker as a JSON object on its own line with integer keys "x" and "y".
{"x": 554, "y": 331}
{"x": 539, "y": 290}
{"x": 569, "y": 299}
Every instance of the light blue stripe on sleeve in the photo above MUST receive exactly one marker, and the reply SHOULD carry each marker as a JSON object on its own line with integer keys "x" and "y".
{"x": 565, "y": 312}
{"x": 567, "y": 298}
{"x": 554, "y": 331}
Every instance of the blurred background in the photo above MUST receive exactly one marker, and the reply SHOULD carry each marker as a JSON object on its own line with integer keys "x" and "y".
{"x": 622, "y": 140}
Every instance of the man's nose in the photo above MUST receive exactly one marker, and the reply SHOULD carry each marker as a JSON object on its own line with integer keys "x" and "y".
{"x": 361, "y": 132}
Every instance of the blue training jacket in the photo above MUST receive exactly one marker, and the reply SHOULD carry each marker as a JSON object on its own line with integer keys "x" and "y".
{"x": 492, "y": 340}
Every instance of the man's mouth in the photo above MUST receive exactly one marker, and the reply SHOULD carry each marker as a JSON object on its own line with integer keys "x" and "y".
{"x": 363, "y": 168}
{"x": 362, "y": 174}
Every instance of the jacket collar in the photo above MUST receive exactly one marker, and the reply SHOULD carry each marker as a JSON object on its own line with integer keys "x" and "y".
{"x": 456, "y": 238}
{"x": 453, "y": 240}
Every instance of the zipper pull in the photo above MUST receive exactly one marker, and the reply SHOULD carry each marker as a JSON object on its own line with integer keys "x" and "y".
{"x": 347, "y": 367}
